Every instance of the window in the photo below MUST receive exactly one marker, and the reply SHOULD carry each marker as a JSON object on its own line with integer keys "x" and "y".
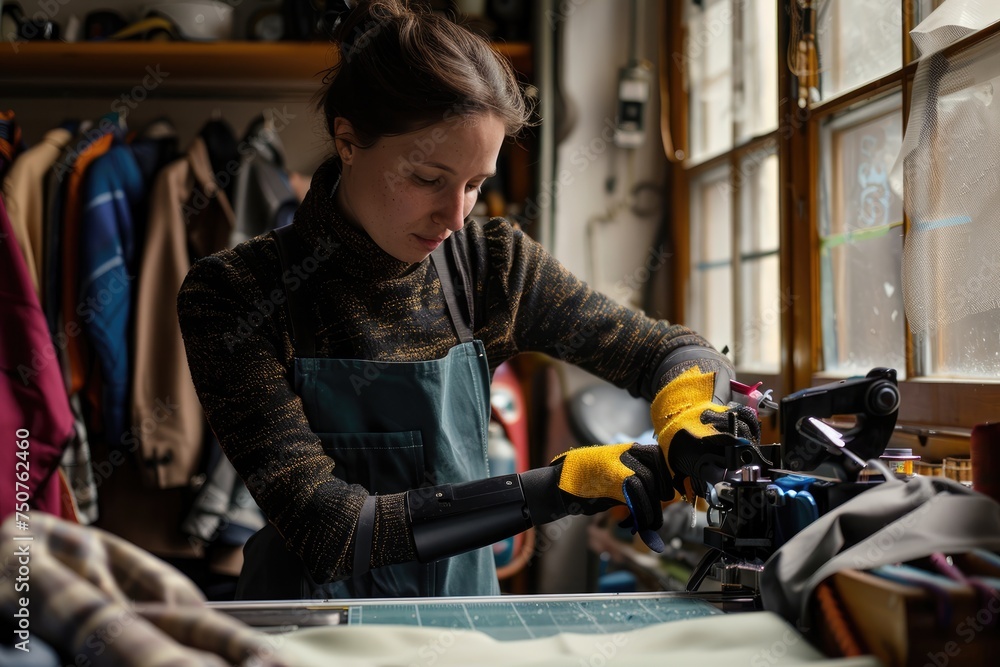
{"x": 952, "y": 264}
{"x": 731, "y": 176}
{"x": 761, "y": 301}
{"x": 711, "y": 311}
{"x": 861, "y": 240}
{"x": 799, "y": 240}
{"x": 859, "y": 41}
{"x": 709, "y": 52}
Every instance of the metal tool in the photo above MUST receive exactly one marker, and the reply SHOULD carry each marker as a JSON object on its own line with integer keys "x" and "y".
{"x": 765, "y": 495}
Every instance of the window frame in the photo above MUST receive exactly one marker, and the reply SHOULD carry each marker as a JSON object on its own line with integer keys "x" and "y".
{"x": 926, "y": 401}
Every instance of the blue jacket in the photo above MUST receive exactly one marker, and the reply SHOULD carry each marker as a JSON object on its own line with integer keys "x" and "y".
{"x": 113, "y": 190}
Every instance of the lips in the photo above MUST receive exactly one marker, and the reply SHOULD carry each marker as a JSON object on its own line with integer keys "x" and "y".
{"x": 430, "y": 243}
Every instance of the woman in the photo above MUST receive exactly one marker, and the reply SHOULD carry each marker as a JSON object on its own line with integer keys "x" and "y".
{"x": 344, "y": 361}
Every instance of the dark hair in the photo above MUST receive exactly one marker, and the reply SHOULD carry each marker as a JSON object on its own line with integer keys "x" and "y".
{"x": 403, "y": 68}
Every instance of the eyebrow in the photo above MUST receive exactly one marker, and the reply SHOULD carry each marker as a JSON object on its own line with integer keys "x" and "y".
{"x": 445, "y": 167}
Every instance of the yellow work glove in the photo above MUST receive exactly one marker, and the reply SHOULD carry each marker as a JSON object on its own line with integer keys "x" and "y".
{"x": 693, "y": 430}
{"x": 594, "y": 479}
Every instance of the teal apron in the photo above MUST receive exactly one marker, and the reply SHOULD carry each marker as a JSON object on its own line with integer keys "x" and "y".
{"x": 390, "y": 427}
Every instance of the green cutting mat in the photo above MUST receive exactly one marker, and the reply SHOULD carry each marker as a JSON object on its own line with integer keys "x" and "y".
{"x": 528, "y": 619}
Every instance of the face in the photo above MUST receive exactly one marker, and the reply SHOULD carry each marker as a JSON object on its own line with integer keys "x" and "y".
{"x": 412, "y": 191}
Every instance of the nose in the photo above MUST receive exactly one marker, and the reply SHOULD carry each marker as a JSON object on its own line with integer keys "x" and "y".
{"x": 451, "y": 210}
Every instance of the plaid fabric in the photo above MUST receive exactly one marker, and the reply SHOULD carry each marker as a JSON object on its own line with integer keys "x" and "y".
{"x": 102, "y": 601}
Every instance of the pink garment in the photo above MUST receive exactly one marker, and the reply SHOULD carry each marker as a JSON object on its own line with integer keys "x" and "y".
{"x": 32, "y": 391}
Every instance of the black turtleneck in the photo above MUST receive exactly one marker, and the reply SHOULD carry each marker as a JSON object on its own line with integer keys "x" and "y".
{"x": 369, "y": 305}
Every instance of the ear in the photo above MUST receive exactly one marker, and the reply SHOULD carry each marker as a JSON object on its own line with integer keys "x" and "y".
{"x": 345, "y": 139}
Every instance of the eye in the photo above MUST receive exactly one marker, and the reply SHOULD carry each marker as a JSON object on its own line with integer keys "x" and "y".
{"x": 426, "y": 182}
{"x": 478, "y": 188}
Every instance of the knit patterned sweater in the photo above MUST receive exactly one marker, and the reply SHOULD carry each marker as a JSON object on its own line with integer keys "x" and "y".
{"x": 368, "y": 305}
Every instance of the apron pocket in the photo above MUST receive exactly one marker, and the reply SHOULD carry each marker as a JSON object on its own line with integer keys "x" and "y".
{"x": 383, "y": 463}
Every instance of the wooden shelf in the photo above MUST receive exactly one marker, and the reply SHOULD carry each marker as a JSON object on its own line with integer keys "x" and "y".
{"x": 222, "y": 68}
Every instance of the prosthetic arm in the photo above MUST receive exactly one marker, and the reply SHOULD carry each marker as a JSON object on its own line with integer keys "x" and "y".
{"x": 695, "y": 405}
{"x": 453, "y": 518}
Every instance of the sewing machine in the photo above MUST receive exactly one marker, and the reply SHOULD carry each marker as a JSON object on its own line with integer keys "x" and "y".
{"x": 768, "y": 493}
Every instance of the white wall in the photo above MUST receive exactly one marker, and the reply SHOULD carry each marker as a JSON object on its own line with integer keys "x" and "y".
{"x": 595, "y": 47}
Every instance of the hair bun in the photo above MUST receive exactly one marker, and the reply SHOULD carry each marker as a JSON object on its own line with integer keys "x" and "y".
{"x": 335, "y": 13}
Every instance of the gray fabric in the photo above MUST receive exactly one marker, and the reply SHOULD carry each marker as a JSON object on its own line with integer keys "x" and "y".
{"x": 263, "y": 199}
{"x": 891, "y": 523}
{"x": 223, "y": 506}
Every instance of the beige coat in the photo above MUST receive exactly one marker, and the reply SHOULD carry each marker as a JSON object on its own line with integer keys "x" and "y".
{"x": 186, "y": 207}
{"x": 25, "y": 199}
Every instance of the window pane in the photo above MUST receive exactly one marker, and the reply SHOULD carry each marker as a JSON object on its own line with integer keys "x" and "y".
{"x": 761, "y": 305}
{"x": 710, "y": 297}
{"x": 952, "y": 258}
{"x": 858, "y": 152}
{"x": 859, "y": 41}
{"x": 969, "y": 347}
{"x": 757, "y": 92}
{"x": 759, "y": 198}
{"x": 861, "y": 241}
{"x": 862, "y": 305}
{"x": 758, "y": 345}
{"x": 709, "y": 73}
{"x": 925, "y": 7}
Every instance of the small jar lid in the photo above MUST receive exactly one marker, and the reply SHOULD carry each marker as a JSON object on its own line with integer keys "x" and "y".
{"x": 898, "y": 453}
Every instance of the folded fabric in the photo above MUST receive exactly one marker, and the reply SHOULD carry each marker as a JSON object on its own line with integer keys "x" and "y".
{"x": 893, "y": 522}
{"x": 757, "y": 638}
{"x": 101, "y": 601}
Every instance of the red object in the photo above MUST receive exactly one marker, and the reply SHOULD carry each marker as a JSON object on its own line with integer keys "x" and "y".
{"x": 985, "y": 451}
{"x": 34, "y": 408}
{"x": 508, "y": 408}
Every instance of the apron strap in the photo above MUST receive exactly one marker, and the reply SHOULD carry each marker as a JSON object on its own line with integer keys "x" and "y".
{"x": 303, "y": 338}
{"x": 440, "y": 261}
